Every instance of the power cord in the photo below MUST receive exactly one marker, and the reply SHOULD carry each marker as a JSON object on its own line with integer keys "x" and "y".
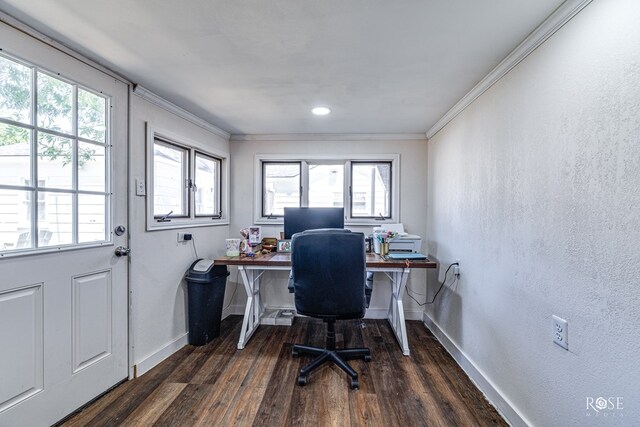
{"x": 193, "y": 243}
{"x": 444, "y": 281}
{"x": 234, "y": 292}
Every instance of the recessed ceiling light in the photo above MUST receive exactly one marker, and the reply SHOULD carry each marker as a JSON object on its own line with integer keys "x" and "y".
{"x": 320, "y": 111}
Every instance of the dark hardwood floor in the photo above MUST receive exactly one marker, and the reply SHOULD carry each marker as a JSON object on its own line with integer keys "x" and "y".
{"x": 218, "y": 385}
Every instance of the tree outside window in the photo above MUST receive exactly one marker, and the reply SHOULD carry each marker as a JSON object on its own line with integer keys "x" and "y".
{"x": 56, "y": 130}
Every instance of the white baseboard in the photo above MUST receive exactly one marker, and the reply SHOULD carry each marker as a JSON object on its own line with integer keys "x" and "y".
{"x": 372, "y": 313}
{"x": 491, "y": 392}
{"x": 233, "y": 309}
{"x": 383, "y": 313}
{"x": 155, "y": 358}
{"x": 413, "y": 315}
{"x": 377, "y": 313}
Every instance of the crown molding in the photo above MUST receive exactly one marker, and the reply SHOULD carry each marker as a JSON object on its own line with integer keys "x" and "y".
{"x": 137, "y": 89}
{"x": 563, "y": 14}
{"x": 32, "y": 32}
{"x": 331, "y": 137}
{"x": 178, "y": 111}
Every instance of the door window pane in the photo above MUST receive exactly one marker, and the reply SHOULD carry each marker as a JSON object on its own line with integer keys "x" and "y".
{"x": 92, "y": 112}
{"x": 169, "y": 175}
{"x": 91, "y": 167}
{"x": 55, "y": 101}
{"x": 65, "y": 167}
{"x": 207, "y": 171}
{"x": 371, "y": 189}
{"x": 15, "y": 91}
{"x": 281, "y": 187}
{"x": 15, "y": 155}
{"x": 55, "y": 160}
{"x": 326, "y": 186}
{"x": 55, "y": 223}
{"x": 91, "y": 218}
{"x": 15, "y": 226}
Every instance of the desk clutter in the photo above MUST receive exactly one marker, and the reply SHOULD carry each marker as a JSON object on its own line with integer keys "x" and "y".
{"x": 389, "y": 240}
{"x": 269, "y": 244}
{"x": 393, "y": 242}
{"x": 250, "y": 243}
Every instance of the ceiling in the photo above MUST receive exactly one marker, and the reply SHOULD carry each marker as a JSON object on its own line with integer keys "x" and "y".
{"x": 258, "y": 67}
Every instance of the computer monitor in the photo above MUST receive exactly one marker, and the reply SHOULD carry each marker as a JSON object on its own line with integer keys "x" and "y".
{"x": 301, "y": 219}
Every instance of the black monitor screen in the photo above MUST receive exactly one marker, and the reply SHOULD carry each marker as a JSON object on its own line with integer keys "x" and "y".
{"x": 301, "y": 219}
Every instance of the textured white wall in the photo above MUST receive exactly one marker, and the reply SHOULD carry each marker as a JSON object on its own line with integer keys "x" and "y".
{"x": 413, "y": 201}
{"x": 536, "y": 188}
{"x": 158, "y": 262}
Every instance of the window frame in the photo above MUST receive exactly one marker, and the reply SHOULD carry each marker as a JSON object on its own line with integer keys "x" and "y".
{"x": 192, "y": 148}
{"x": 35, "y": 189}
{"x": 218, "y": 190}
{"x": 186, "y": 167}
{"x": 391, "y": 189}
{"x": 347, "y": 159}
{"x": 270, "y": 215}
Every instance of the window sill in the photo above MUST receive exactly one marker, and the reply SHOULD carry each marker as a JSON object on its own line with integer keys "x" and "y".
{"x": 355, "y": 222}
{"x": 182, "y": 223}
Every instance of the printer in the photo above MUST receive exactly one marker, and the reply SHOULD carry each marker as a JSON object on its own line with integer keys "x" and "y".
{"x": 403, "y": 242}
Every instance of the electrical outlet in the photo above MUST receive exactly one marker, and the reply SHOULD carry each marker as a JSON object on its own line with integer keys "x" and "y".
{"x": 456, "y": 269}
{"x": 181, "y": 238}
{"x": 560, "y": 332}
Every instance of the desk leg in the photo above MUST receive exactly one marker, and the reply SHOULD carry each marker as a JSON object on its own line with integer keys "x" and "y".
{"x": 253, "y": 309}
{"x": 396, "y": 309}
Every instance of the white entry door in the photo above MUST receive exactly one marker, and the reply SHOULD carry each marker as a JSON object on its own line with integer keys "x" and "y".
{"x": 63, "y": 193}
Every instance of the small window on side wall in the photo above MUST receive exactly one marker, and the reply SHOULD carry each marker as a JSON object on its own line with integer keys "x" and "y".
{"x": 207, "y": 185}
{"x": 170, "y": 175}
{"x": 190, "y": 185}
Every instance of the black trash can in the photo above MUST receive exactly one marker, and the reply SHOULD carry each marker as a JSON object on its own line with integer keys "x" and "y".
{"x": 205, "y": 287}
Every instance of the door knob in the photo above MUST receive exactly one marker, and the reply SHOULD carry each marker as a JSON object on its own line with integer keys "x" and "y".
{"x": 122, "y": 251}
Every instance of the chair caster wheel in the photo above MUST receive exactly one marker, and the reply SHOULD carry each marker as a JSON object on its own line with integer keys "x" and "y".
{"x": 367, "y": 358}
{"x": 355, "y": 384}
{"x": 295, "y": 353}
{"x": 302, "y": 380}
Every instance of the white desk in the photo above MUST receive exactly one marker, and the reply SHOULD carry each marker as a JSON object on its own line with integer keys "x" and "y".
{"x": 252, "y": 268}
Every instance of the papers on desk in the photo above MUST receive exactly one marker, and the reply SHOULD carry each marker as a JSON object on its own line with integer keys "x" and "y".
{"x": 406, "y": 255}
{"x": 401, "y": 243}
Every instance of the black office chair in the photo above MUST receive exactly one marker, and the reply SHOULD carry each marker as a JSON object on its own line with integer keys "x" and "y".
{"x": 328, "y": 273}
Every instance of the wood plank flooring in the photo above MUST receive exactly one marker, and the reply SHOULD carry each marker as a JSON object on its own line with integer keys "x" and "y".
{"x": 218, "y": 385}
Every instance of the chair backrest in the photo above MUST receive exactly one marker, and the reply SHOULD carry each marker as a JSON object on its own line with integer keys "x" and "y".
{"x": 329, "y": 272}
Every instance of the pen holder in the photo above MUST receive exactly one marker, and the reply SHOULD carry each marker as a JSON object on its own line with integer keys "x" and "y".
{"x": 384, "y": 248}
{"x": 376, "y": 242}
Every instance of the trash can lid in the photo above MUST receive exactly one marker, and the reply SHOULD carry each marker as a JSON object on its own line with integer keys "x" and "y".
{"x": 203, "y": 265}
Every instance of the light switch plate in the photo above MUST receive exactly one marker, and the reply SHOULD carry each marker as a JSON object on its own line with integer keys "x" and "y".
{"x": 141, "y": 189}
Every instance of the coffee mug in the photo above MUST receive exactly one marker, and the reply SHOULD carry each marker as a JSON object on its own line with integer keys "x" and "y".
{"x": 233, "y": 247}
